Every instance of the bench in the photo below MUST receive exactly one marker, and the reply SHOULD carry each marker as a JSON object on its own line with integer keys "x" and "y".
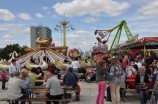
{"x": 67, "y": 91}
{"x": 64, "y": 100}
{"x": 134, "y": 90}
{"x": 41, "y": 89}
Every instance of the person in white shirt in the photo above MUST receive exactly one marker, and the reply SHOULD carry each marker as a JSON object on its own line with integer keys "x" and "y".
{"x": 15, "y": 85}
{"x": 138, "y": 63}
{"x": 75, "y": 65}
{"x": 14, "y": 67}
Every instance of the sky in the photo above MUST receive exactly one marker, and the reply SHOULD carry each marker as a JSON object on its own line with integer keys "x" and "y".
{"x": 16, "y": 17}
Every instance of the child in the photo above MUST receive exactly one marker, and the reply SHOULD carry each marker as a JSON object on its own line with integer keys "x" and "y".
{"x": 4, "y": 78}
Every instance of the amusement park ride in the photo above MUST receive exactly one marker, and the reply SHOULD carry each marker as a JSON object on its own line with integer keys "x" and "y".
{"x": 43, "y": 56}
{"x": 116, "y": 40}
{"x": 132, "y": 41}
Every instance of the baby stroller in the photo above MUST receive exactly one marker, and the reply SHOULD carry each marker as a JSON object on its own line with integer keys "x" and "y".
{"x": 91, "y": 75}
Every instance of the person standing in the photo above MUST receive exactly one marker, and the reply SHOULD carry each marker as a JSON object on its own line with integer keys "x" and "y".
{"x": 115, "y": 81}
{"x": 154, "y": 96}
{"x": 4, "y": 78}
{"x": 125, "y": 62}
{"x": 75, "y": 65}
{"x": 101, "y": 77}
{"x": 14, "y": 67}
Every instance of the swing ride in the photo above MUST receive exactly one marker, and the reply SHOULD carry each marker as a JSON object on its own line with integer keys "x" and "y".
{"x": 107, "y": 33}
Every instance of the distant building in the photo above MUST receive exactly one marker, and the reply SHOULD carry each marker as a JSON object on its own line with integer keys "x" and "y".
{"x": 37, "y": 31}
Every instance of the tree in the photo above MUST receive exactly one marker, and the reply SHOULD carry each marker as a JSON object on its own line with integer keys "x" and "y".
{"x": 4, "y": 54}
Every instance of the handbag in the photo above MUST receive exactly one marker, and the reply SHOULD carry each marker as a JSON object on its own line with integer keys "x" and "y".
{"x": 141, "y": 87}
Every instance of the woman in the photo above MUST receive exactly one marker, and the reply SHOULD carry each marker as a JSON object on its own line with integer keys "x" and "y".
{"x": 142, "y": 81}
{"x": 115, "y": 81}
{"x": 125, "y": 62}
{"x": 40, "y": 74}
{"x": 101, "y": 77}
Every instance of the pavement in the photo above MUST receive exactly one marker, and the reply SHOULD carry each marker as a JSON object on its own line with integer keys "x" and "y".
{"x": 87, "y": 96}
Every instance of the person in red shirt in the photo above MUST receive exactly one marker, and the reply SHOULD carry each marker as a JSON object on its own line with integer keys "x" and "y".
{"x": 4, "y": 78}
{"x": 125, "y": 62}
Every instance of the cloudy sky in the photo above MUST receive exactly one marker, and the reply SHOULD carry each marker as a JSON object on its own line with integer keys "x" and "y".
{"x": 16, "y": 17}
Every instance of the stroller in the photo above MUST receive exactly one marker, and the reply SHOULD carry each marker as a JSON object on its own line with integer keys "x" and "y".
{"x": 90, "y": 74}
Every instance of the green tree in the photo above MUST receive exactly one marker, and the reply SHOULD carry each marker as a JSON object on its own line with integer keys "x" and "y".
{"x": 4, "y": 54}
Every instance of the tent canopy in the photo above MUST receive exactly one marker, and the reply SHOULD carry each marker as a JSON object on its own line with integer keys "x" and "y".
{"x": 146, "y": 42}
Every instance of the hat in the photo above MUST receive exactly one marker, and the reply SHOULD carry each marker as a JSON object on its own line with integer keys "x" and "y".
{"x": 51, "y": 69}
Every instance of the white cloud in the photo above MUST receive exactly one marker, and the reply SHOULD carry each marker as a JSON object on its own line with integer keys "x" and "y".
{"x": 8, "y": 36}
{"x": 6, "y": 15}
{"x": 78, "y": 39}
{"x": 79, "y": 33}
{"x": 45, "y": 8}
{"x": 90, "y": 20}
{"x": 38, "y": 15}
{"x": 55, "y": 16}
{"x": 24, "y": 16}
{"x": 91, "y": 7}
{"x": 84, "y": 40}
{"x": 150, "y": 9}
{"x": 5, "y": 42}
{"x": 14, "y": 34}
{"x": 14, "y": 29}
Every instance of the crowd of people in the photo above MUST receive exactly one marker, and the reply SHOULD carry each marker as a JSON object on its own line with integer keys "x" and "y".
{"x": 21, "y": 81}
{"x": 110, "y": 72}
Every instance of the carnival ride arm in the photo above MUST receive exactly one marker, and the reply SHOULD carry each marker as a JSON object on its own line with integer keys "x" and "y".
{"x": 116, "y": 40}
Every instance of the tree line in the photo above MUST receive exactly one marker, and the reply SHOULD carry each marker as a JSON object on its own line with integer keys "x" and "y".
{"x": 4, "y": 53}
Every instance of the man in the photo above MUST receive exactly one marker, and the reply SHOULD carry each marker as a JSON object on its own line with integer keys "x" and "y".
{"x": 70, "y": 79}
{"x": 53, "y": 87}
{"x": 33, "y": 76}
{"x": 15, "y": 85}
{"x": 14, "y": 67}
{"x": 25, "y": 77}
{"x": 75, "y": 65}
{"x": 138, "y": 62}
